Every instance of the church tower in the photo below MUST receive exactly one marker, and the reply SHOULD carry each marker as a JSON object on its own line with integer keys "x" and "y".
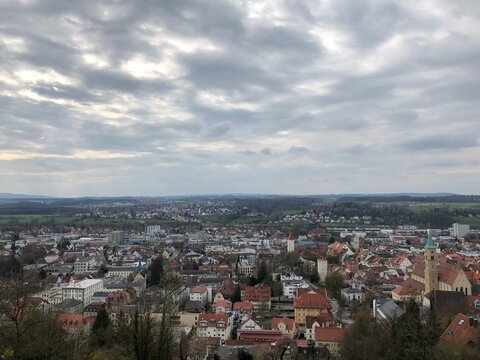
{"x": 291, "y": 243}
{"x": 322, "y": 268}
{"x": 431, "y": 265}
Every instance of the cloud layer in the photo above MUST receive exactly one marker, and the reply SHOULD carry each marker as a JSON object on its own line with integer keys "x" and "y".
{"x": 187, "y": 97}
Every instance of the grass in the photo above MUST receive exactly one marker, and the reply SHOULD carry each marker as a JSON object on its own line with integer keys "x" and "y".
{"x": 472, "y": 221}
{"x": 419, "y": 208}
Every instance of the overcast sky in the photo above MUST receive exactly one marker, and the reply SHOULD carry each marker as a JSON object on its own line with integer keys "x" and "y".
{"x": 199, "y": 97}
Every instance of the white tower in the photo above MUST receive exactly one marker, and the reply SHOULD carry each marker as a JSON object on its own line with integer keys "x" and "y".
{"x": 290, "y": 243}
{"x": 322, "y": 268}
{"x": 356, "y": 243}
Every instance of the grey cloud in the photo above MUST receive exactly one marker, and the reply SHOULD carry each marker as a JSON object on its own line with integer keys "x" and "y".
{"x": 298, "y": 150}
{"x": 218, "y": 130}
{"x": 392, "y": 69}
{"x": 441, "y": 142}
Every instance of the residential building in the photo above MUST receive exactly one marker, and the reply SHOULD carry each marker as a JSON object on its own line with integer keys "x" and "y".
{"x": 82, "y": 290}
{"x": 199, "y": 293}
{"x": 463, "y": 331}
{"x": 310, "y": 303}
{"x": 259, "y": 296}
{"x": 224, "y": 306}
{"x": 460, "y": 230}
{"x": 215, "y": 325}
{"x": 285, "y": 325}
{"x": 330, "y": 337}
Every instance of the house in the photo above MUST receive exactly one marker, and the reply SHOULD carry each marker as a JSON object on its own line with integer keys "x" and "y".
{"x": 215, "y": 325}
{"x": 353, "y": 295}
{"x": 199, "y": 293}
{"x": 93, "y": 308}
{"x": 285, "y": 325}
{"x": 330, "y": 337}
{"x": 75, "y": 323}
{"x": 250, "y": 324}
{"x": 259, "y": 296}
{"x": 325, "y": 319}
{"x": 310, "y": 303}
{"x": 462, "y": 331}
{"x": 218, "y": 296}
{"x": 243, "y": 309}
{"x": 222, "y": 306}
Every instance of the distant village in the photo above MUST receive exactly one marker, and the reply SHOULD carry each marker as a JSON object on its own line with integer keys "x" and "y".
{"x": 241, "y": 289}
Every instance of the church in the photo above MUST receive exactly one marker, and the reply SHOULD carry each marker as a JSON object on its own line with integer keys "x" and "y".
{"x": 432, "y": 274}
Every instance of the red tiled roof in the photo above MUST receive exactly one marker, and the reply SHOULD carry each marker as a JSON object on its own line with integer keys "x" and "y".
{"x": 289, "y": 323}
{"x": 260, "y": 335}
{"x": 325, "y": 316}
{"x": 243, "y": 305}
{"x": 410, "y": 287}
{"x": 222, "y": 303}
{"x": 460, "y": 332}
{"x": 200, "y": 289}
{"x": 329, "y": 334}
{"x": 257, "y": 293}
{"x": 447, "y": 273}
{"x": 212, "y": 319}
{"x": 312, "y": 300}
{"x": 76, "y": 321}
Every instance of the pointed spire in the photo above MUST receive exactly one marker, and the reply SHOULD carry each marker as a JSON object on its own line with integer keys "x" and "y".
{"x": 430, "y": 244}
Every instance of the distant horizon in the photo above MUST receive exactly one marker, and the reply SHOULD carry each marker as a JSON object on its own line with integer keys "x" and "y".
{"x": 233, "y": 194}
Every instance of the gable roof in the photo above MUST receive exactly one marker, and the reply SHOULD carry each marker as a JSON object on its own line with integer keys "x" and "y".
{"x": 243, "y": 305}
{"x": 325, "y": 316}
{"x": 460, "y": 332}
{"x": 257, "y": 293}
{"x": 212, "y": 319}
{"x": 312, "y": 300}
{"x": 329, "y": 334}
{"x": 289, "y": 323}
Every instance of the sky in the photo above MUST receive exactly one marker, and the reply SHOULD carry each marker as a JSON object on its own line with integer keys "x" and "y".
{"x": 152, "y": 97}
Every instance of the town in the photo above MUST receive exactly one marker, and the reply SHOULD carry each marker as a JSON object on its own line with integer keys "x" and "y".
{"x": 238, "y": 278}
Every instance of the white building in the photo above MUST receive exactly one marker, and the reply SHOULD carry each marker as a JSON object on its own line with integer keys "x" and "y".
{"x": 322, "y": 269}
{"x": 353, "y": 295}
{"x": 199, "y": 293}
{"x": 290, "y": 287}
{"x": 83, "y": 265}
{"x": 155, "y": 231}
{"x": 246, "y": 268}
{"x": 460, "y": 230}
{"x": 290, "y": 244}
{"x": 82, "y": 290}
{"x": 215, "y": 325}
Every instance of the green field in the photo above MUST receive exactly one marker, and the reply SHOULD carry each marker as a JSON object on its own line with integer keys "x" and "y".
{"x": 419, "y": 208}
{"x": 472, "y": 221}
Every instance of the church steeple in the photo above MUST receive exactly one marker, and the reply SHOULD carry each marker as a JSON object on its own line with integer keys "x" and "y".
{"x": 430, "y": 244}
{"x": 431, "y": 265}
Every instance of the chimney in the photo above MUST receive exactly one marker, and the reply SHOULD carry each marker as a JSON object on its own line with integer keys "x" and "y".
{"x": 471, "y": 321}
